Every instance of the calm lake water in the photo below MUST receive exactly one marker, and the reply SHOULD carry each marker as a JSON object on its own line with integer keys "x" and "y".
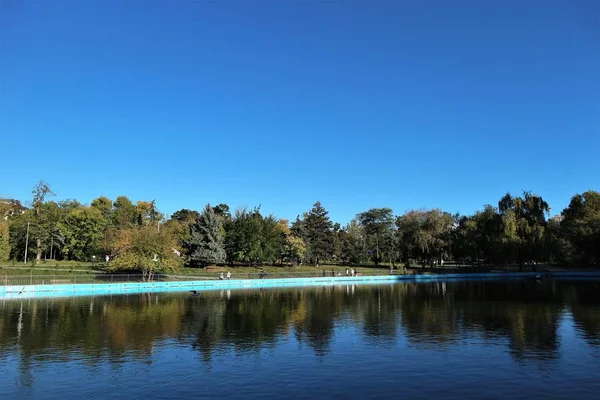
{"x": 494, "y": 340}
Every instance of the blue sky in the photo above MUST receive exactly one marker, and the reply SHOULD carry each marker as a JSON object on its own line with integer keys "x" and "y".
{"x": 404, "y": 104}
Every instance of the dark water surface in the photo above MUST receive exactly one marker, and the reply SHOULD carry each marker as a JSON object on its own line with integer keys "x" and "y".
{"x": 469, "y": 340}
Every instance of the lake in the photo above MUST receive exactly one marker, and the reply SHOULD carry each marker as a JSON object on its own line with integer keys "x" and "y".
{"x": 463, "y": 339}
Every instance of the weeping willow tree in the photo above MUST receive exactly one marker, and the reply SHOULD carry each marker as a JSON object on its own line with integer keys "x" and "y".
{"x": 424, "y": 235}
{"x": 525, "y": 225}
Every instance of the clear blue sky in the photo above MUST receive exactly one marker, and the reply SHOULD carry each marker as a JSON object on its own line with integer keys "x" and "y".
{"x": 404, "y": 104}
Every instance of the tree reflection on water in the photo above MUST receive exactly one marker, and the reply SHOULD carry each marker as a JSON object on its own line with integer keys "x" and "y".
{"x": 526, "y": 314}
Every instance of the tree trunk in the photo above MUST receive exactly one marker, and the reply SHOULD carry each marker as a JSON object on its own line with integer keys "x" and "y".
{"x": 38, "y": 250}
{"x": 377, "y": 251}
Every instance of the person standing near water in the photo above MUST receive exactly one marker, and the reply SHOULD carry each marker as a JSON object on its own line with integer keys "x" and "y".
{"x": 228, "y": 275}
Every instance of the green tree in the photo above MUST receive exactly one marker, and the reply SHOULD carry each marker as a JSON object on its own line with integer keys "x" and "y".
{"x": 253, "y": 239}
{"x": 43, "y": 217}
{"x": 389, "y": 242}
{"x": 69, "y": 204}
{"x": 185, "y": 215}
{"x": 52, "y": 213}
{"x": 8, "y": 210}
{"x": 4, "y": 239}
{"x": 125, "y": 213}
{"x": 148, "y": 214}
{"x": 17, "y": 228}
{"x": 105, "y": 206}
{"x": 206, "y": 243}
{"x": 353, "y": 243}
{"x": 272, "y": 239}
{"x": 294, "y": 249}
{"x": 223, "y": 211}
{"x": 425, "y": 235}
{"x": 317, "y": 234}
{"x": 377, "y": 224}
{"x": 580, "y": 229}
{"x": 83, "y": 230}
{"x": 553, "y": 242}
{"x": 528, "y": 215}
{"x": 32, "y": 226}
{"x": 486, "y": 236}
{"x": 493, "y": 236}
{"x": 179, "y": 224}
{"x": 40, "y": 191}
{"x": 298, "y": 227}
{"x": 243, "y": 236}
{"x": 463, "y": 239}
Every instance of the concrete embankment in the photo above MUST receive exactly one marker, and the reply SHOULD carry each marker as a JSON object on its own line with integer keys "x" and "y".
{"x": 94, "y": 289}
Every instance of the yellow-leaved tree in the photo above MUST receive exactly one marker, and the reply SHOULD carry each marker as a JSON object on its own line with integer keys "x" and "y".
{"x": 145, "y": 249}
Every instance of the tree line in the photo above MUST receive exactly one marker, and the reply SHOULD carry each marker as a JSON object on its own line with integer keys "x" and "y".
{"x": 138, "y": 237}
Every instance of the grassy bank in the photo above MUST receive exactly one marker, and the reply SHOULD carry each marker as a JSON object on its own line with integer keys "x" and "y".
{"x": 85, "y": 268}
{"x": 271, "y": 270}
{"x": 49, "y": 268}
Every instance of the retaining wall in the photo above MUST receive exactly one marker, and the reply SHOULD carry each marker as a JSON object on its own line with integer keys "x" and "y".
{"x": 67, "y": 290}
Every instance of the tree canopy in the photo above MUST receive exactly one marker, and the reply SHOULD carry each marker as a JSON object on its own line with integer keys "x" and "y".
{"x": 315, "y": 228}
{"x": 137, "y": 236}
{"x": 206, "y": 244}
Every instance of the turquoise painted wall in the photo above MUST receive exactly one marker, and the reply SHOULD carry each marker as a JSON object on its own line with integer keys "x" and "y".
{"x": 67, "y": 290}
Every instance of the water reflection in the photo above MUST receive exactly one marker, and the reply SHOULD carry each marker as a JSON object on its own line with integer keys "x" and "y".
{"x": 523, "y": 314}
{"x": 584, "y": 305}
